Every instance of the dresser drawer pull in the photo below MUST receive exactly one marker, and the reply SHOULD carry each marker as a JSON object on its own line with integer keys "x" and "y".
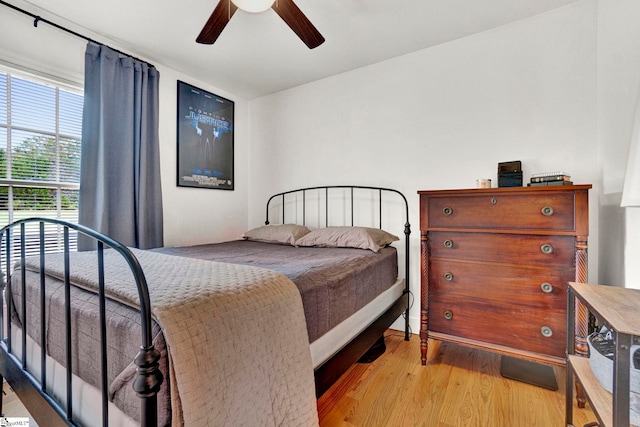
{"x": 494, "y": 201}
{"x": 447, "y": 211}
{"x": 546, "y": 287}
{"x": 448, "y": 277}
{"x": 448, "y": 315}
{"x": 546, "y": 331}
{"x": 448, "y": 243}
{"x": 547, "y": 211}
{"x": 546, "y": 249}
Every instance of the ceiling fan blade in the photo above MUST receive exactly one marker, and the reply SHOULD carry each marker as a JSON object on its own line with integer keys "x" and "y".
{"x": 298, "y": 22}
{"x": 217, "y": 21}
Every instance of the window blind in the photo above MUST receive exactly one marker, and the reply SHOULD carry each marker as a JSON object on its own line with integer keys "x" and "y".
{"x": 40, "y": 132}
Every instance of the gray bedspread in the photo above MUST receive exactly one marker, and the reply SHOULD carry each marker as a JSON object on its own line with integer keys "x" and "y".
{"x": 230, "y": 362}
{"x": 334, "y": 282}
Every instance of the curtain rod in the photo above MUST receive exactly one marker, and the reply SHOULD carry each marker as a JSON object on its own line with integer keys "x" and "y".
{"x": 38, "y": 19}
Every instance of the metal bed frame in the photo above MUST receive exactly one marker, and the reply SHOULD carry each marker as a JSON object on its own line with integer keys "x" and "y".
{"x": 329, "y": 372}
{"x": 33, "y": 393}
{"x": 38, "y": 399}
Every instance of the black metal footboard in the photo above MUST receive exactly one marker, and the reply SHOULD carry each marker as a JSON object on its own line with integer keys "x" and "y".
{"x": 42, "y": 235}
{"x": 331, "y": 370}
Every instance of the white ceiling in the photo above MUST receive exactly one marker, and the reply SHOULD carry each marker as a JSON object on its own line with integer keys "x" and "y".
{"x": 257, "y": 54}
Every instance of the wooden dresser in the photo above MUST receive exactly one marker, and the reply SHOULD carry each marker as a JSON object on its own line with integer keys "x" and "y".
{"x": 495, "y": 263}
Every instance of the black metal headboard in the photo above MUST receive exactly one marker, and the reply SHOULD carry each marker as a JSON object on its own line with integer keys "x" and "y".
{"x": 351, "y": 189}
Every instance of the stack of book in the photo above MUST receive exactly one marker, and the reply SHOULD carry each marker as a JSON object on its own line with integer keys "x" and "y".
{"x": 550, "y": 178}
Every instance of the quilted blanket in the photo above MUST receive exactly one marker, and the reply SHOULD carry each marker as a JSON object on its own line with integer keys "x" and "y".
{"x": 236, "y": 336}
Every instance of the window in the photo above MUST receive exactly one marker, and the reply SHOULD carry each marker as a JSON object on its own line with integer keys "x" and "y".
{"x": 40, "y": 131}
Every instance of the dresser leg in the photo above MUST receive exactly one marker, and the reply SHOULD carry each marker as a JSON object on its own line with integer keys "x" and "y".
{"x": 423, "y": 347}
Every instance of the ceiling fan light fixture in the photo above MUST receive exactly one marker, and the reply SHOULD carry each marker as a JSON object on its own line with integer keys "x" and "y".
{"x": 285, "y": 9}
{"x": 253, "y": 6}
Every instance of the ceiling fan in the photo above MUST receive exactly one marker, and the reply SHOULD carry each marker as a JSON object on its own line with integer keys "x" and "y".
{"x": 286, "y": 9}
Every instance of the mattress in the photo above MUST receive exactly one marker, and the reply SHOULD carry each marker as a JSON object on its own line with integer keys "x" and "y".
{"x": 334, "y": 284}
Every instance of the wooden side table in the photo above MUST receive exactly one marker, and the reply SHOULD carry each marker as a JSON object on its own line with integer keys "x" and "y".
{"x": 619, "y": 309}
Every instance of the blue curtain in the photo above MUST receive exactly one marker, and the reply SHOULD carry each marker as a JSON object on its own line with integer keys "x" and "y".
{"x": 120, "y": 192}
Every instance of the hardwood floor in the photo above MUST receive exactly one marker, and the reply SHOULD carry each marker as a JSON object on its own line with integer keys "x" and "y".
{"x": 458, "y": 387}
{"x": 12, "y": 407}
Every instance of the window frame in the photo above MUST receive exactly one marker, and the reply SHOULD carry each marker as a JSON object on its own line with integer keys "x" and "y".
{"x": 59, "y": 186}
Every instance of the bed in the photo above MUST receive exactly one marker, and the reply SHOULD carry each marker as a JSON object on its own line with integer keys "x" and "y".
{"x": 338, "y": 336}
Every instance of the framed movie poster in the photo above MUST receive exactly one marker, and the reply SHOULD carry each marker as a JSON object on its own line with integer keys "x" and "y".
{"x": 205, "y": 139}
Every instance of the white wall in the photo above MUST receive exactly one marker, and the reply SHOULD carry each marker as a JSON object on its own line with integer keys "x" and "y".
{"x": 198, "y": 215}
{"x": 441, "y": 118}
{"x": 556, "y": 91}
{"x": 618, "y": 90}
{"x": 191, "y": 215}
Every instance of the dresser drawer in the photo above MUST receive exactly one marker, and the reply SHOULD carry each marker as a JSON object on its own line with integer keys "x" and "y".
{"x": 506, "y": 284}
{"x": 504, "y": 325}
{"x": 554, "y": 211}
{"x": 532, "y": 249}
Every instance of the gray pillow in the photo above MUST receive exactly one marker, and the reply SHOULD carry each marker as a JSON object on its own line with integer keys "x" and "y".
{"x": 284, "y": 233}
{"x": 347, "y": 237}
